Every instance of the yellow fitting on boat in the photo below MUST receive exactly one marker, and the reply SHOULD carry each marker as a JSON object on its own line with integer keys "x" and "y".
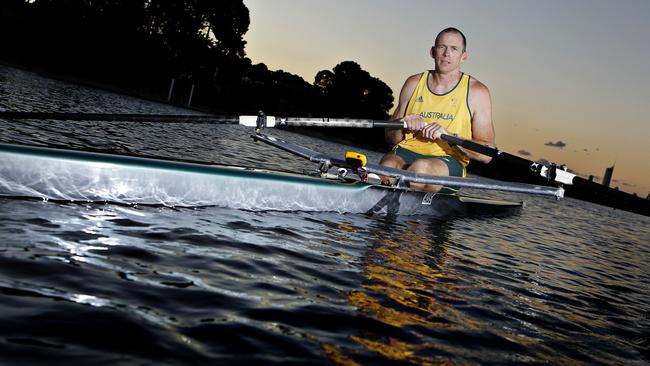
{"x": 355, "y": 159}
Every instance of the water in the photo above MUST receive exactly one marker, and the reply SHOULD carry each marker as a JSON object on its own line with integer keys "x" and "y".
{"x": 561, "y": 283}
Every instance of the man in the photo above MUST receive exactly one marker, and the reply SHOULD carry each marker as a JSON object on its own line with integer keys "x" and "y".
{"x": 442, "y": 101}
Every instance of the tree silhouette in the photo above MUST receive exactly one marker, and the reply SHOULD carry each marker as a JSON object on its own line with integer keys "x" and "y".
{"x": 140, "y": 45}
{"x": 226, "y": 22}
{"x": 352, "y": 92}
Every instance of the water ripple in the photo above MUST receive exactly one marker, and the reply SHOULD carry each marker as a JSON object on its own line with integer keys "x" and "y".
{"x": 562, "y": 283}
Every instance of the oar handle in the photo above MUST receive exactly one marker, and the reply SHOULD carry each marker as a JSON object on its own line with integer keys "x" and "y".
{"x": 454, "y": 140}
{"x": 389, "y": 124}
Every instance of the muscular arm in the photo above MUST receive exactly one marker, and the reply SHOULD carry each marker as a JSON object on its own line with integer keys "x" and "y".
{"x": 482, "y": 127}
{"x": 396, "y": 135}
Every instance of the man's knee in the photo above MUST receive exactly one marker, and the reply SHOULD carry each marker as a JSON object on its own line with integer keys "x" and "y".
{"x": 430, "y": 166}
{"x": 393, "y": 161}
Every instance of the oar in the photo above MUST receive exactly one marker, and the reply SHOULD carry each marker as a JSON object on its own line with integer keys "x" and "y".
{"x": 126, "y": 117}
{"x": 247, "y": 120}
{"x": 335, "y": 122}
{"x": 552, "y": 173}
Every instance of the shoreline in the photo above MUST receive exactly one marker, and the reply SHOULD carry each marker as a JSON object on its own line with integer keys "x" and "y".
{"x": 76, "y": 80}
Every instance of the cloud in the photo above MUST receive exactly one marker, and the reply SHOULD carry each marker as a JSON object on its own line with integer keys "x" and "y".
{"x": 523, "y": 152}
{"x": 559, "y": 144}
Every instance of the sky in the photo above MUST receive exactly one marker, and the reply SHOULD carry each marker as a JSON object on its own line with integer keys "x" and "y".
{"x": 569, "y": 78}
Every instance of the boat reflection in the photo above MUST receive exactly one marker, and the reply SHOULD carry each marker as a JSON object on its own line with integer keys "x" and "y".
{"x": 403, "y": 269}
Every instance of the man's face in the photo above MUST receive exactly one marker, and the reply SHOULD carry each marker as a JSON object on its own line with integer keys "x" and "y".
{"x": 449, "y": 52}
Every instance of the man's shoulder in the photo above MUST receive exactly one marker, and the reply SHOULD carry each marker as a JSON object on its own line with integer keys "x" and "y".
{"x": 412, "y": 81}
{"x": 414, "y": 78}
{"x": 476, "y": 83}
{"x": 476, "y": 86}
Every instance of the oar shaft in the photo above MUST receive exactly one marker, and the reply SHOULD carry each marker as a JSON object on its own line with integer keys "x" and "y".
{"x": 337, "y": 122}
{"x": 471, "y": 145}
{"x": 388, "y": 124}
{"x": 465, "y": 182}
{"x": 125, "y": 117}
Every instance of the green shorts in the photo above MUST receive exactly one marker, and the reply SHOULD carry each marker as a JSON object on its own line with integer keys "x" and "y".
{"x": 456, "y": 169}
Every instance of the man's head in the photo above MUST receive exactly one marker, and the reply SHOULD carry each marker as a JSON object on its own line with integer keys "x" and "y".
{"x": 449, "y": 49}
{"x": 451, "y": 30}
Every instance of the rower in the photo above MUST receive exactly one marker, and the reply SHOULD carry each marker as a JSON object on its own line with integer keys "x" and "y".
{"x": 439, "y": 102}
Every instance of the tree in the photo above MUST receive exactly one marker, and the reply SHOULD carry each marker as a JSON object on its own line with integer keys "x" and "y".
{"x": 352, "y": 92}
{"x": 138, "y": 45}
{"x": 226, "y": 22}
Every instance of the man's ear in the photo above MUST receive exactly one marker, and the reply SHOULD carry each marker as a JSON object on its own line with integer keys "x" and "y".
{"x": 432, "y": 52}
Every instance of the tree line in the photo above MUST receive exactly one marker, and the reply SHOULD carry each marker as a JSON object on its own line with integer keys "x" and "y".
{"x": 140, "y": 45}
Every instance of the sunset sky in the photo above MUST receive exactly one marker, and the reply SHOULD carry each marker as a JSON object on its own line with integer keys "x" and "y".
{"x": 573, "y": 72}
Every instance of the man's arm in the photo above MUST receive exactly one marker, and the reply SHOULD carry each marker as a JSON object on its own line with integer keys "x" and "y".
{"x": 482, "y": 126}
{"x": 395, "y": 135}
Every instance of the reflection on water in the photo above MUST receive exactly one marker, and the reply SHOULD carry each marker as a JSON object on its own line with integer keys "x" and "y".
{"x": 403, "y": 268}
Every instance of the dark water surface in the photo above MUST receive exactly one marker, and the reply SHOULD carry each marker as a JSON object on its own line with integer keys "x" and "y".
{"x": 561, "y": 283}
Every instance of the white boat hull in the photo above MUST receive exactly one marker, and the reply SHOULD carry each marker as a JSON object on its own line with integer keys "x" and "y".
{"x": 66, "y": 175}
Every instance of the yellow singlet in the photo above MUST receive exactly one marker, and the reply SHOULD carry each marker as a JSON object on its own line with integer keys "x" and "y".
{"x": 450, "y": 110}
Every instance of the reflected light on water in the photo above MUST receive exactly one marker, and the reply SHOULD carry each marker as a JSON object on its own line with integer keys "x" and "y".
{"x": 402, "y": 271}
{"x": 89, "y": 300}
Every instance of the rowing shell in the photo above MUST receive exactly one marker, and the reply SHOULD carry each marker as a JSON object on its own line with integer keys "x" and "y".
{"x": 79, "y": 176}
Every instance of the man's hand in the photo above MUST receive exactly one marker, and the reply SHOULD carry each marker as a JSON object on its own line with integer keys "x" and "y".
{"x": 430, "y": 131}
{"x": 414, "y": 122}
{"x": 433, "y": 131}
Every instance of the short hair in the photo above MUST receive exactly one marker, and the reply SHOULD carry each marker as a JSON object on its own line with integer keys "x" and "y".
{"x": 452, "y": 30}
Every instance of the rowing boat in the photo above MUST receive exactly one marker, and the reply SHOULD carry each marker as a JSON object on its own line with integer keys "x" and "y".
{"x": 82, "y": 176}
